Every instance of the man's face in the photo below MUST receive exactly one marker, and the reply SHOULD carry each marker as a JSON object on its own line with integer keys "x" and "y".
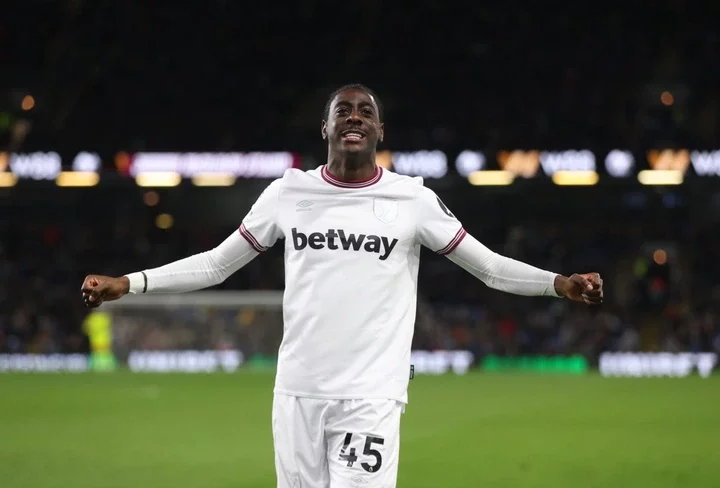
{"x": 353, "y": 123}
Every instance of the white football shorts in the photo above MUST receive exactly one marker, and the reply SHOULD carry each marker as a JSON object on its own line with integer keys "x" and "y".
{"x": 336, "y": 443}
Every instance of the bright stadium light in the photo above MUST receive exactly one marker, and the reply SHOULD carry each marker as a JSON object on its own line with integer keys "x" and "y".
{"x": 706, "y": 163}
{"x": 469, "y": 161}
{"x": 581, "y": 161}
{"x": 7, "y": 180}
{"x": 86, "y": 161}
{"x": 164, "y": 221}
{"x": 151, "y": 198}
{"x": 667, "y": 98}
{"x": 575, "y": 178}
{"x": 77, "y": 178}
{"x": 246, "y": 165}
{"x": 491, "y": 178}
{"x": 660, "y": 177}
{"x": 36, "y": 166}
{"x": 158, "y": 179}
{"x": 28, "y": 102}
{"x": 428, "y": 164}
{"x": 619, "y": 163}
{"x": 213, "y": 179}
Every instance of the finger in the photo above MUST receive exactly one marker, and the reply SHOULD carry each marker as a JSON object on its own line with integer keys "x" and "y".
{"x": 90, "y": 283}
{"x": 92, "y": 303}
{"x": 593, "y": 294}
{"x": 91, "y": 280}
{"x": 593, "y": 297}
{"x": 593, "y": 278}
{"x": 582, "y": 281}
{"x": 97, "y": 293}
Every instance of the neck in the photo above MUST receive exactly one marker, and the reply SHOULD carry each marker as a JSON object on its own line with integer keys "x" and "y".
{"x": 351, "y": 166}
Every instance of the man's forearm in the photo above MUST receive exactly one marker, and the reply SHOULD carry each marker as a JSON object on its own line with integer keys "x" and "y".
{"x": 195, "y": 272}
{"x": 503, "y": 273}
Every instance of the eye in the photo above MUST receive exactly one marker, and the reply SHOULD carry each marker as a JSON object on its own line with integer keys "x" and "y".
{"x": 367, "y": 112}
{"x": 341, "y": 111}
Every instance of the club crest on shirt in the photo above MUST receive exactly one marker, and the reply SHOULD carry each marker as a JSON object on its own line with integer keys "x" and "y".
{"x": 385, "y": 209}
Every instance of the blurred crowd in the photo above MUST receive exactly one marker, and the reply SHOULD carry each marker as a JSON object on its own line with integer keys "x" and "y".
{"x": 658, "y": 298}
{"x": 661, "y": 296}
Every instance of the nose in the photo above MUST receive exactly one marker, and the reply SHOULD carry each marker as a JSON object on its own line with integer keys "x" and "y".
{"x": 354, "y": 118}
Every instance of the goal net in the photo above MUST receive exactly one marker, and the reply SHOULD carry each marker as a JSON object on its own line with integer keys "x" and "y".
{"x": 197, "y": 332}
{"x": 224, "y": 330}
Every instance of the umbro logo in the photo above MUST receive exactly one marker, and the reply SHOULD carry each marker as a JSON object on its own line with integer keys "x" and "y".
{"x": 303, "y": 205}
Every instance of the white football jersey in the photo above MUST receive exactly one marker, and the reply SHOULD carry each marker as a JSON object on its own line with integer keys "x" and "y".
{"x": 352, "y": 253}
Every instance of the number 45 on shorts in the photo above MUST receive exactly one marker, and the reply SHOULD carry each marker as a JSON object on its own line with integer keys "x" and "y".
{"x": 349, "y": 454}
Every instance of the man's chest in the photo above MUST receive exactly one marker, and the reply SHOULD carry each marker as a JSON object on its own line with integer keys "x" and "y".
{"x": 380, "y": 225}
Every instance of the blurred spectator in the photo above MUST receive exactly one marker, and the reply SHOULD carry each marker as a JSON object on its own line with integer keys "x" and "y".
{"x": 41, "y": 311}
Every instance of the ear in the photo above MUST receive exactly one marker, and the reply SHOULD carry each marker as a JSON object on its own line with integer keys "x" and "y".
{"x": 382, "y": 132}
{"x": 323, "y": 130}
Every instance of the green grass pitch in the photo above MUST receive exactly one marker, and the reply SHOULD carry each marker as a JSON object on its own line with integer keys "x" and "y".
{"x": 479, "y": 430}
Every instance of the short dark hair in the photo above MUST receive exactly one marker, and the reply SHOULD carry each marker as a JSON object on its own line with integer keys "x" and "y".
{"x": 353, "y": 86}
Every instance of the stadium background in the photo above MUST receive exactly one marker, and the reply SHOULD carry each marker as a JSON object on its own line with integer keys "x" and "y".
{"x": 574, "y": 139}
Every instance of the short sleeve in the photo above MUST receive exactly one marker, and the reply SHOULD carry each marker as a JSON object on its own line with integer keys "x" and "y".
{"x": 260, "y": 226}
{"x": 438, "y": 229}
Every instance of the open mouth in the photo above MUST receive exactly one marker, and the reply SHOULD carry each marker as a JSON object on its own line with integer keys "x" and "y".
{"x": 353, "y": 135}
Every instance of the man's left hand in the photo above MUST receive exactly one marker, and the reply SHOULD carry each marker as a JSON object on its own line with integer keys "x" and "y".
{"x": 587, "y": 288}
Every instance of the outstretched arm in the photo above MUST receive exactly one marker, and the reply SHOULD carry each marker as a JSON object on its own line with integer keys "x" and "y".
{"x": 508, "y": 275}
{"x": 502, "y": 273}
{"x": 441, "y": 231}
{"x": 195, "y": 272}
{"x": 257, "y": 233}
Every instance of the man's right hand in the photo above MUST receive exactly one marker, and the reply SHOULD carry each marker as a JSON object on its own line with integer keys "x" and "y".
{"x": 97, "y": 289}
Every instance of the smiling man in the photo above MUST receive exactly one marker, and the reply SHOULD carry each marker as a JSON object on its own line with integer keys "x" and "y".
{"x": 353, "y": 233}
